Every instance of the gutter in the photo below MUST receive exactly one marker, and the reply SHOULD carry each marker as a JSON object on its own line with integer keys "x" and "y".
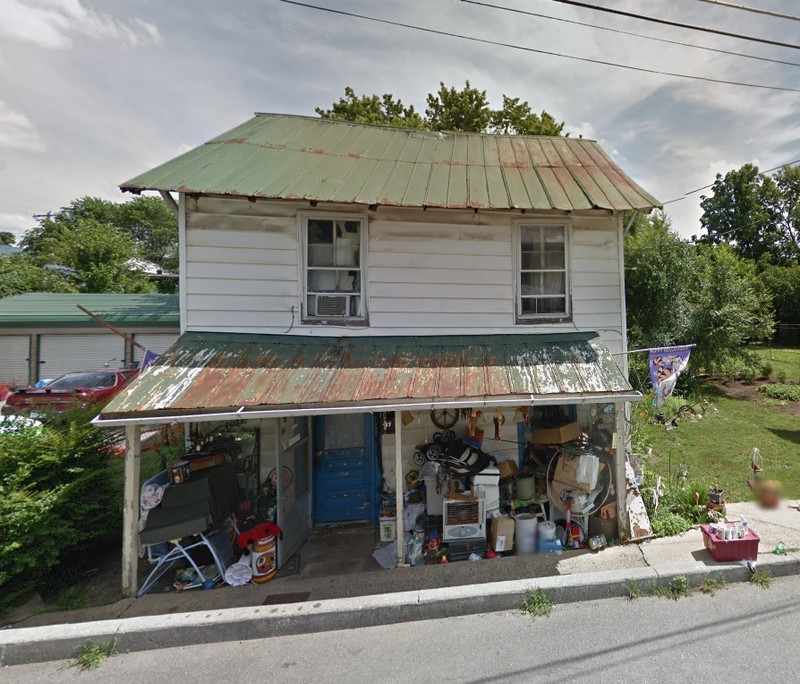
{"x": 243, "y": 413}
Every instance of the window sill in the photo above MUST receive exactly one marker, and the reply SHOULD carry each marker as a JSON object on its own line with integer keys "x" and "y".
{"x": 544, "y": 319}
{"x": 338, "y": 322}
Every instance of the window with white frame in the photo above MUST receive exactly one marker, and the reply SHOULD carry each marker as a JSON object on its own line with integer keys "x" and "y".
{"x": 543, "y": 276}
{"x": 334, "y": 283}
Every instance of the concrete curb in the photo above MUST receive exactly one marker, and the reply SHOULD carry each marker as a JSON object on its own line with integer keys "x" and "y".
{"x": 60, "y": 642}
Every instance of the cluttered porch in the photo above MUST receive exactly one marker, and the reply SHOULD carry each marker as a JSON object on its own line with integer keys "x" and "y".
{"x": 293, "y": 497}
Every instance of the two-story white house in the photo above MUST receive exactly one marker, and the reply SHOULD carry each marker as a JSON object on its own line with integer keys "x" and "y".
{"x": 345, "y": 287}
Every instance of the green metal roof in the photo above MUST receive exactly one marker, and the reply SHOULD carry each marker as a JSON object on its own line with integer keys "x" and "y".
{"x": 277, "y": 156}
{"x": 235, "y": 372}
{"x": 38, "y": 311}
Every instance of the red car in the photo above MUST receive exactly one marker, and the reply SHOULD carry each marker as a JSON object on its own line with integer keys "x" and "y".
{"x": 73, "y": 390}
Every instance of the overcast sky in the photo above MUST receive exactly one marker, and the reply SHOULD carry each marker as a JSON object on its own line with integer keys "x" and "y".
{"x": 93, "y": 93}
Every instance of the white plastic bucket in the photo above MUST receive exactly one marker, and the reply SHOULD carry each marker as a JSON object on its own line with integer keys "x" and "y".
{"x": 547, "y": 530}
{"x": 525, "y": 532}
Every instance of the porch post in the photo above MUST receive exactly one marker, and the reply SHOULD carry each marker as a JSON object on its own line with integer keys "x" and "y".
{"x": 619, "y": 469}
{"x": 130, "y": 511}
{"x": 399, "y": 480}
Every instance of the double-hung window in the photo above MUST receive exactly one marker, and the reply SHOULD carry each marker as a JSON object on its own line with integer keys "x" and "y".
{"x": 334, "y": 277}
{"x": 543, "y": 271}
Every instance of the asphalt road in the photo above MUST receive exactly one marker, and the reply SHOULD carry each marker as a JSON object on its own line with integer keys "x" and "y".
{"x": 742, "y": 634}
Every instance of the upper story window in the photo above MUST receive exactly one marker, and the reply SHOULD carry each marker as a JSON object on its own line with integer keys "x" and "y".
{"x": 543, "y": 271}
{"x": 334, "y": 283}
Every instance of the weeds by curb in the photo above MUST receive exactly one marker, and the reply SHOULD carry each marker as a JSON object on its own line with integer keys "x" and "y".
{"x": 90, "y": 655}
{"x": 537, "y": 603}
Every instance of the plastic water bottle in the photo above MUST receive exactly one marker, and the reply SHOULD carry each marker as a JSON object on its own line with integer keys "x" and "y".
{"x": 779, "y": 549}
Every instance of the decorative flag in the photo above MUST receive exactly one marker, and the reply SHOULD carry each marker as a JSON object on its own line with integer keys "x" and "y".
{"x": 666, "y": 365}
{"x": 149, "y": 359}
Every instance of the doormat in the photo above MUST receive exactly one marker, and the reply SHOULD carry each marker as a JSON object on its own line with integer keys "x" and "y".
{"x": 291, "y": 566}
{"x": 296, "y": 597}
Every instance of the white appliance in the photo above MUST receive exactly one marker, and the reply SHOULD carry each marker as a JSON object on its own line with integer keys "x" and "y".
{"x": 490, "y": 495}
{"x": 464, "y": 519}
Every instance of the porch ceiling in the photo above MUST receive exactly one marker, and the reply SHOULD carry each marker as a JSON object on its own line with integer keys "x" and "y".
{"x": 226, "y": 374}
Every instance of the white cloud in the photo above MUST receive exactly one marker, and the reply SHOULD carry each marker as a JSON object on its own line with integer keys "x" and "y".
{"x": 17, "y": 131}
{"x": 54, "y": 24}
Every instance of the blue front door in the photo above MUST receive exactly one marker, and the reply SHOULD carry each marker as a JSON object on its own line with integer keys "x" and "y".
{"x": 344, "y": 468}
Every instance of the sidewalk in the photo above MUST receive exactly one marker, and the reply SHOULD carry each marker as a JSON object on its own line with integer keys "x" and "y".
{"x": 296, "y": 605}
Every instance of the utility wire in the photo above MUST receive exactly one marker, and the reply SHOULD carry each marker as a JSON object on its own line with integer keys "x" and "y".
{"x": 523, "y": 48}
{"x": 666, "y": 22}
{"x": 627, "y": 33}
{"x": 711, "y": 185}
{"x": 757, "y": 10}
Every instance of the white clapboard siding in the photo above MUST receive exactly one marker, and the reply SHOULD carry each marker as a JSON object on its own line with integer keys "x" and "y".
{"x": 14, "y": 351}
{"x": 427, "y": 272}
{"x": 232, "y": 286}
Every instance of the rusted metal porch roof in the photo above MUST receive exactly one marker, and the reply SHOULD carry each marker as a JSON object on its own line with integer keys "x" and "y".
{"x": 278, "y": 156}
{"x": 245, "y": 374}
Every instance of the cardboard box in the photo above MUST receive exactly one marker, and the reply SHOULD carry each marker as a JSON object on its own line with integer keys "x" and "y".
{"x": 507, "y": 468}
{"x": 501, "y": 533}
{"x": 556, "y": 435}
{"x": 566, "y": 473}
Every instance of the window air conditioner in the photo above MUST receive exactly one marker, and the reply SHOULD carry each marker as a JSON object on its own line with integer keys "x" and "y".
{"x": 331, "y": 305}
{"x": 464, "y": 519}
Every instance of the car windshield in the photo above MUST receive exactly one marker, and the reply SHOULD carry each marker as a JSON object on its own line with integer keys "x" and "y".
{"x": 75, "y": 380}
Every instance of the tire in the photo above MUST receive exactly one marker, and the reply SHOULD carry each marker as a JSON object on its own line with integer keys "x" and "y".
{"x": 419, "y": 458}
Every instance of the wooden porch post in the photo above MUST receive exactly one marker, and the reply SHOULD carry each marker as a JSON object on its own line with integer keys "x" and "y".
{"x": 399, "y": 480}
{"x": 619, "y": 470}
{"x": 130, "y": 511}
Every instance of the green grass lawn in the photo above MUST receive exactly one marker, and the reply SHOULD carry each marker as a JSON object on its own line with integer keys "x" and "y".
{"x": 717, "y": 447}
{"x": 786, "y": 359}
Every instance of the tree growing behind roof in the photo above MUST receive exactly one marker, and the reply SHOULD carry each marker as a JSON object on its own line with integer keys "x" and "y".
{"x": 92, "y": 241}
{"x": 447, "y": 109}
{"x": 20, "y": 274}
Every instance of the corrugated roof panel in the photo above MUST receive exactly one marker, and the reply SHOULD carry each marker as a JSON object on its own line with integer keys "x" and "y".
{"x": 289, "y": 157}
{"x": 212, "y": 372}
{"x": 42, "y": 310}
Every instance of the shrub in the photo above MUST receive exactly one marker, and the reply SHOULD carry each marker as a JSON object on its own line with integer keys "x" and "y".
{"x": 780, "y": 391}
{"x": 57, "y": 500}
{"x": 666, "y": 524}
{"x": 766, "y": 370}
{"x": 781, "y": 375}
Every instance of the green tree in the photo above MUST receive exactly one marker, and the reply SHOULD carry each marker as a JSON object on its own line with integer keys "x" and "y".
{"x": 518, "y": 117}
{"x": 448, "y": 109}
{"x": 147, "y": 220}
{"x": 96, "y": 256}
{"x": 678, "y": 293}
{"x": 759, "y": 216}
{"x": 371, "y": 109}
{"x": 458, "y": 110}
{"x": 783, "y": 284}
{"x": 7, "y": 238}
{"x": 20, "y": 274}
{"x": 729, "y": 307}
{"x": 659, "y": 265}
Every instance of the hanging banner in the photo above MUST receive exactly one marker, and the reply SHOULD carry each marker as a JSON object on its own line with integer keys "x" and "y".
{"x": 665, "y": 367}
{"x": 148, "y": 360}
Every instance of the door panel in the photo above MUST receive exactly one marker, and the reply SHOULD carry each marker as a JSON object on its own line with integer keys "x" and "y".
{"x": 294, "y": 498}
{"x": 344, "y": 478}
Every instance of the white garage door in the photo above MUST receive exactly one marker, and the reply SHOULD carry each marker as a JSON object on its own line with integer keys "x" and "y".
{"x": 156, "y": 342}
{"x": 14, "y": 351}
{"x": 64, "y": 353}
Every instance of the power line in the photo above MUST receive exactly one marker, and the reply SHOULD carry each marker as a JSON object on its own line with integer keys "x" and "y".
{"x": 757, "y": 10}
{"x": 523, "y": 48}
{"x": 711, "y": 185}
{"x": 628, "y": 33}
{"x": 667, "y": 22}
